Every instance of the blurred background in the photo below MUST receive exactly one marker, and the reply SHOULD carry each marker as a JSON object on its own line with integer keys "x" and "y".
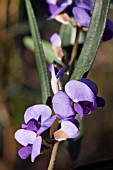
{"x": 20, "y": 88}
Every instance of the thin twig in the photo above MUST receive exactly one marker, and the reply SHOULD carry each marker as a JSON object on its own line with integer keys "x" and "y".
{"x": 53, "y": 156}
{"x": 74, "y": 53}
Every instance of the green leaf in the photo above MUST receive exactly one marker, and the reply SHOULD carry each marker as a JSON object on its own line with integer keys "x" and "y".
{"x": 39, "y": 52}
{"x": 50, "y": 56}
{"x": 93, "y": 39}
{"x": 48, "y": 50}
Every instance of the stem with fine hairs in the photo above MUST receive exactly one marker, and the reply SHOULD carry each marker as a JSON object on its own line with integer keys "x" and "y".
{"x": 74, "y": 53}
{"x": 53, "y": 156}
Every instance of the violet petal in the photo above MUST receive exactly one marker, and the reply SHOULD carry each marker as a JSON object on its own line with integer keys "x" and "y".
{"x": 25, "y": 151}
{"x": 50, "y": 1}
{"x": 79, "y": 91}
{"x": 62, "y": 105}
{"x": 25, "y": 137}
{"x": 70, "y": 129}
{"x": 89, "y": 5}
{"x": 52, "y": 69}
{"x": 78, "y": 109}
{"x": 55, "y": 40}
{"x": 61, "y": 72}
{"x": 66, "y": 3}
{"x": 36, "y": 148}
{"x": 47, "y": 124}
{"x": 56, "y": 12}
{"x": 53, "y": 8}
{"x": 81, "y": 16}
{"x": 35, "y": 111}
{"x": 32, "y": 125}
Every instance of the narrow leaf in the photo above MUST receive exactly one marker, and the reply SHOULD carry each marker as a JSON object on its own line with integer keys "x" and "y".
{"x": 93, "y": 39}
{"x": 39, "y": 52}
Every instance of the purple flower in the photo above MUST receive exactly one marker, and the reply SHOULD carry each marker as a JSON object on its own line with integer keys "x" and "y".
{"x": 58, "y": 6}
{"x": 100, "y": 102}
{"x": 56, "y": 44}
{"x": 82, "y": 13}
{"x": 37, "y": 120}
{"x": 60, "y": 10}
{"x": 56, "y": 76}
{"x": 79, "y": 97}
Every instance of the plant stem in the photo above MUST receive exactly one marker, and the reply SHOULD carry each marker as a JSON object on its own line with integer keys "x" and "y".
{"x": 53, "y": 156}
{"x": 73, "y": 54}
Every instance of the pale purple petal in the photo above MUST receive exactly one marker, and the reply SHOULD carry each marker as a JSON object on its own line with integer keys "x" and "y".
{"x": 25, "y": 137}
{"x": 81, "y": 16}
{"x": 70, "y": 128}
{"x": 36, "y": 148}
{"x": 55, "y": 39}
{"x": 53, "y": 8}
{"x": 61, "y": 72}
{"x": 91, "y": 85}
{"x": 52, "y": 65}
{"x": 50, "y": 1}
{"x": 52, "y": 69}
{"x": 58, "y": 8}
{"x": 66, "y": 3}
{"x": 37, "y": 110}
{"x": 62, "y": 105}
{"x": 85, "y": 4}
{"x": 78, "y": 109}
{"x": 25, "y": 151}
{"x": 47, "y": 124}
{"x": 56, "y": 12}
{"x": 79, "y": 91}
{"x": 24, "y": 126}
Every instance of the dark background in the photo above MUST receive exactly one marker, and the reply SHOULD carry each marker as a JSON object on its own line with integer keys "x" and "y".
{"x": 20, "y": 88}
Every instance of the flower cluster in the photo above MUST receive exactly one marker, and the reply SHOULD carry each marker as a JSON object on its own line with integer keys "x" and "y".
{"x": 81, "y": 10}
{"x": 80, "y": 97}
{"x": 37, "y": 120}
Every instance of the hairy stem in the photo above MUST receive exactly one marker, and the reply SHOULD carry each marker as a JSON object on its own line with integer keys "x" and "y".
{"x": 73, "y": 54}
{"x": 53, "y": 156}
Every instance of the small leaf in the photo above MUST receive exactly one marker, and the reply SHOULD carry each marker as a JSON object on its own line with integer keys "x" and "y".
{"x": 48, "y": 50}
{"x": 93, "y": 39}
{"x": 50, "y": 56}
